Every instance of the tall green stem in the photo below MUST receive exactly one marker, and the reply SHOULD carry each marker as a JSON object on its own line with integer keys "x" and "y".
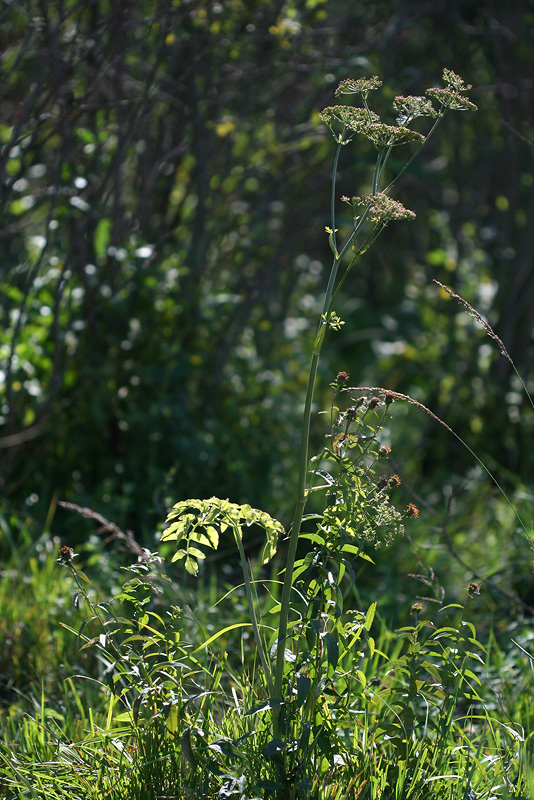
{"x": 252, "y": 608}
{"x": 303, "y": 466}
{"x": 382, "y": 158}
{"x": 302, "y": 494}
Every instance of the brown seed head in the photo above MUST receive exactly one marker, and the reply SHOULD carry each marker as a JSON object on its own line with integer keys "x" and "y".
{"x": 66, "y": 554}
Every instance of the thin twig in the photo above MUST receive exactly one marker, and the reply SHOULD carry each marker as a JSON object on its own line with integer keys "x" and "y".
{"x": 106, "y": 526}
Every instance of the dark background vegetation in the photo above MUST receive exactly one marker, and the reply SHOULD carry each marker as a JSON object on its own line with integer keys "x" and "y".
{"x": 164, "y": 193}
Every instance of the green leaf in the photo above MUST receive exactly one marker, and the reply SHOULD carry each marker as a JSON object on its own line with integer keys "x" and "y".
{"x": 274, "y": 747}
{"x": 126, "y": 716}
{"x": 313, "y": 537}
{"x": 214, "y": 514}
{"x": 332, "y": 649}
{"x": 221, "y": 633}
{"x": 213, "y": 536}
{"x": 303, "y": 689}
{"x": 369, "y": 617}
{"x": 195, "y": 553}
{"x": 171, "y": 717}
{"x": 467, "y": 673}
{"x": 187, "y": 749}
{"x": 265, "y": 705}
{"x": 361, "y": 677}
{"x": 191, "y": 566}
{"x": 332, "y": 243}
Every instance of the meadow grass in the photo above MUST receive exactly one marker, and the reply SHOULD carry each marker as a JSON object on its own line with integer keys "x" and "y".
{"x": 130, "y": 683}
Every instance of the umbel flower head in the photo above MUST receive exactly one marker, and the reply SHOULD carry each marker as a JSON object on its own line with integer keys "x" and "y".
{"x": 362, "y": 86}
{"x": 383, "y": 135}
{"x": 408, "y": 108}
{"x": 382, "y": 208}
{"x": 355, "y": 119}
{"x": 452, "y": 96}
{"x": 454, "y": 81}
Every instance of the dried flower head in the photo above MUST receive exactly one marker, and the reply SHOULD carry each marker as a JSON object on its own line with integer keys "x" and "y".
{"x": 383, "y": 208}
{"x": 395, "y": 481}
{"x": 361, "y": 86}
{"x": 412, "y": 510}
{"x": 342, "y": 378}
{"x": 473, "y": 588}
{"x": 373, "y": 402}
{"x": 389, "y": 398}
{"x": 66, "y": 555}
{"x": 384, "y": 450}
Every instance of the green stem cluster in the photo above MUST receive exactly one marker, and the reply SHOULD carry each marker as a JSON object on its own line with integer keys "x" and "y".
{"x": 303, "y": 487}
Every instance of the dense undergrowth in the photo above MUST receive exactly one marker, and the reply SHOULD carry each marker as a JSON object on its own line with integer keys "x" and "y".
{"x": 470, "y": 715}
{"x": 302, "y": 667}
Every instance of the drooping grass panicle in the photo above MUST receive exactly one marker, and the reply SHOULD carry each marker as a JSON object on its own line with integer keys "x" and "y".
{"x": 405, "y": 397}
{"x": 489, "y": 330}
